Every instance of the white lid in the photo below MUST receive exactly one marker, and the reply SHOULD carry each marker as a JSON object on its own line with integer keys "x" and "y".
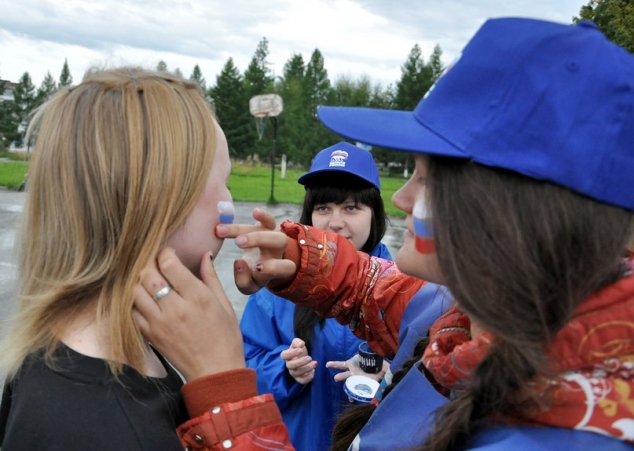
{"x": 361, "y": 388}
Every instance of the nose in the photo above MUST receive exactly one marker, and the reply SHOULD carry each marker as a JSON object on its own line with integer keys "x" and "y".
{"x": 336, "y": 222}
{"x": 403, "y": 199}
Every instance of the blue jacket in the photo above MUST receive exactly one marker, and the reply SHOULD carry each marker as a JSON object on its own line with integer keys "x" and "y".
{"x": 405, "y": 416}
{"x": 309, "y": 411}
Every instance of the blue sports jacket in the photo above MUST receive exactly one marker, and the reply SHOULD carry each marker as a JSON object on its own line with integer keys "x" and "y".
{"x": 405, "y": 416}
{"x": 309, "y": 411}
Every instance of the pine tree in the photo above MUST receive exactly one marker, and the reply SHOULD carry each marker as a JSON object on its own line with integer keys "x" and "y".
{"x": 46, "y": 89}
{"x": 435, "y": 64}
{"x": 232, "y": 109}
{"x": 65, "y": 78}
{"x": 6, "y": 124}
{"x": 257, "y": 80}
{"x": 197, "y": 76}
{"x": 416, "y": 79}
{"x": 24, "y": 102}
{"x": 296, "y": 118}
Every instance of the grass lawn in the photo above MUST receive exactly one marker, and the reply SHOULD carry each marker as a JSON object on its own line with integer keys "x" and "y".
{"x": 247, "y": 184}
{"x": 12, "y": 173}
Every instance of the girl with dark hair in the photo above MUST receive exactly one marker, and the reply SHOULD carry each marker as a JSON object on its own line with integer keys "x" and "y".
{"x": 522, "y": 204}
{"x": 296, "y": 353}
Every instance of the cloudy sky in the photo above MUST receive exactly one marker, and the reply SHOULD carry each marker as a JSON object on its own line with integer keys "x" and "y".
{"x": 356, "y": 37}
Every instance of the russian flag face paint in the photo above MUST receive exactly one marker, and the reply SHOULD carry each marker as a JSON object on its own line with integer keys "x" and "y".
{"x": 423, "y": 228}
{"x": 227, "y": 212}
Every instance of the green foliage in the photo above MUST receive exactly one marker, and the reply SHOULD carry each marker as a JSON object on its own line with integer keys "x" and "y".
{"x": 24, "y": 102}
{"x": 65, "y": 78}
{"x": 197, "y": 76}
{"x": 615, "y": 18}
{"x": 232, "y": 109}
{"x": 303, "y": 86}
{"x": 5, "y": 120}
{"x": 257, "y": 81}
{"x": 46, "y": 89}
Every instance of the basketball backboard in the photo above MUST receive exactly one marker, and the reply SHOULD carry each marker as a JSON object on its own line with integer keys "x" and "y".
{"x": 269, "y": 105}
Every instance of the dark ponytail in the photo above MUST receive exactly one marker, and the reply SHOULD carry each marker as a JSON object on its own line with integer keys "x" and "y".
{"x": 519, "y": 256}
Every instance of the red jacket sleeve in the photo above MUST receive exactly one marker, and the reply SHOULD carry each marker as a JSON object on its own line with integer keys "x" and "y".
{"x": 228, "y": 414}
{"x": 367, "y": 293}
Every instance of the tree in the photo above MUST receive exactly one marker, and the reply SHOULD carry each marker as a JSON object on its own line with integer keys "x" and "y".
{"x": 257, "y": 80}
{"x": 316, "y": 81}
{"x": 416, "y": 79}
{"x": 615, "y": 18}
{"x": 6, "y": 124}
{"x": 161, "y": 66}
{"x": 435, "y": 64}
{"x": 296, "y": 116}
{"x": 46, "y": 89}
{"x": 24, "y": 102}
{"x": 65, "y": 78}
{"x": 197, "y": 76}
{"x": 232, "y": 109}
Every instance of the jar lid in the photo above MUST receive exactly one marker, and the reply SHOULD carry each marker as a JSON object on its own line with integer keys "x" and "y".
{"x": 361, "y": 388}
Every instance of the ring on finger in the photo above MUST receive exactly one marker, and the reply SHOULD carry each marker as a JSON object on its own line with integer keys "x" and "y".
{"x": 160, "y": 294}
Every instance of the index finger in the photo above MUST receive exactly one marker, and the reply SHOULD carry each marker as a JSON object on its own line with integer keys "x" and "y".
{"x": 234, "y": 230}
{"x": 265, "y": 240}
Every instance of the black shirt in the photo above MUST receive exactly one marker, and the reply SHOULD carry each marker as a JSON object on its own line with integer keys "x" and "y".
{"x": 80, "y": 405}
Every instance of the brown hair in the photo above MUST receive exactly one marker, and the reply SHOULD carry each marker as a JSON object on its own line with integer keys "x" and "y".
{"x": 326, "y": 188}
{"x": 119, "y": 163}
{"x": 518, "y": 256}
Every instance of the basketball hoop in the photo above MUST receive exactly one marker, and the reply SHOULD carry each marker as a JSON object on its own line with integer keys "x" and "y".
{"x": 263, "y": 107}
{"x": 266, "y": 105}
{"x": 260, "y": 125}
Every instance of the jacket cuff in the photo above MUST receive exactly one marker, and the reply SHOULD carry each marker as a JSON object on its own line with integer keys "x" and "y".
{"x": 203, "y": 393}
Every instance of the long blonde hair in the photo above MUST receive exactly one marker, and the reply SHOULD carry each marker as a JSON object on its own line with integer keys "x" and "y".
{"x": 119, "y": 162}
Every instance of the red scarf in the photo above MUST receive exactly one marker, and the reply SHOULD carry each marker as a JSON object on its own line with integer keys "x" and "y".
{"x": 592, "y": 358}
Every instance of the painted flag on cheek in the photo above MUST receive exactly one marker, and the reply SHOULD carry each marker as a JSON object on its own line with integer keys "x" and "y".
{"x": 423, "y": 228}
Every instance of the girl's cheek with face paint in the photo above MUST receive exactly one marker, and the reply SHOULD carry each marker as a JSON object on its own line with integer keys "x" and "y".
{"x": 422, "y": 227}
{"x": 226, "y": 212}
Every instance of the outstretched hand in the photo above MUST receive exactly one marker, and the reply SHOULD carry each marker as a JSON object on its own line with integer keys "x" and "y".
{"x": 299, "y": 364}
{"x": 352, "y": 367}
{"x": 194, "y": 325}
{"x": 263, "y": 262}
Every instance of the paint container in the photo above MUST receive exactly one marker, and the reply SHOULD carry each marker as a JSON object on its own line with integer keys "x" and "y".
{"x": 360, "y": 389}
{"x": 369, "y": 361}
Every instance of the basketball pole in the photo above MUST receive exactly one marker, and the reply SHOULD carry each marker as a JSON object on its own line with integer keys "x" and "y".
{"x": 269, "y": 106}
{"x": 272, "y": 200}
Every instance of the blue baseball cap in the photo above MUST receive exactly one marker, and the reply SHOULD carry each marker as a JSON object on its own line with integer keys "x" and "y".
{"x": 553, "y": 102}
{"x": 343, "y": 157}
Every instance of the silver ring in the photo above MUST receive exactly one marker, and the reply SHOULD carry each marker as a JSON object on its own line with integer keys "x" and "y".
{"x": 160, "y": 294}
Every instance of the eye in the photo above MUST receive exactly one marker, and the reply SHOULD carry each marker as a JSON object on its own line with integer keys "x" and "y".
{"x": 320, "y": 208}
{"x": 352, "y": 207}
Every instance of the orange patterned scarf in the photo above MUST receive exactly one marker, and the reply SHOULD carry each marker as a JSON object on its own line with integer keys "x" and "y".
{"x": 592, "y": 357}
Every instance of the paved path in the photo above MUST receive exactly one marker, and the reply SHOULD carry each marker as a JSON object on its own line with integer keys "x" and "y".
{"x": 11, "y": 204}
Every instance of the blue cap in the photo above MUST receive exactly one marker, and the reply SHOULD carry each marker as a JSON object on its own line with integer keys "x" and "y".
{"x": 343, "y": 157}
{"x": 553, "y": 102}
